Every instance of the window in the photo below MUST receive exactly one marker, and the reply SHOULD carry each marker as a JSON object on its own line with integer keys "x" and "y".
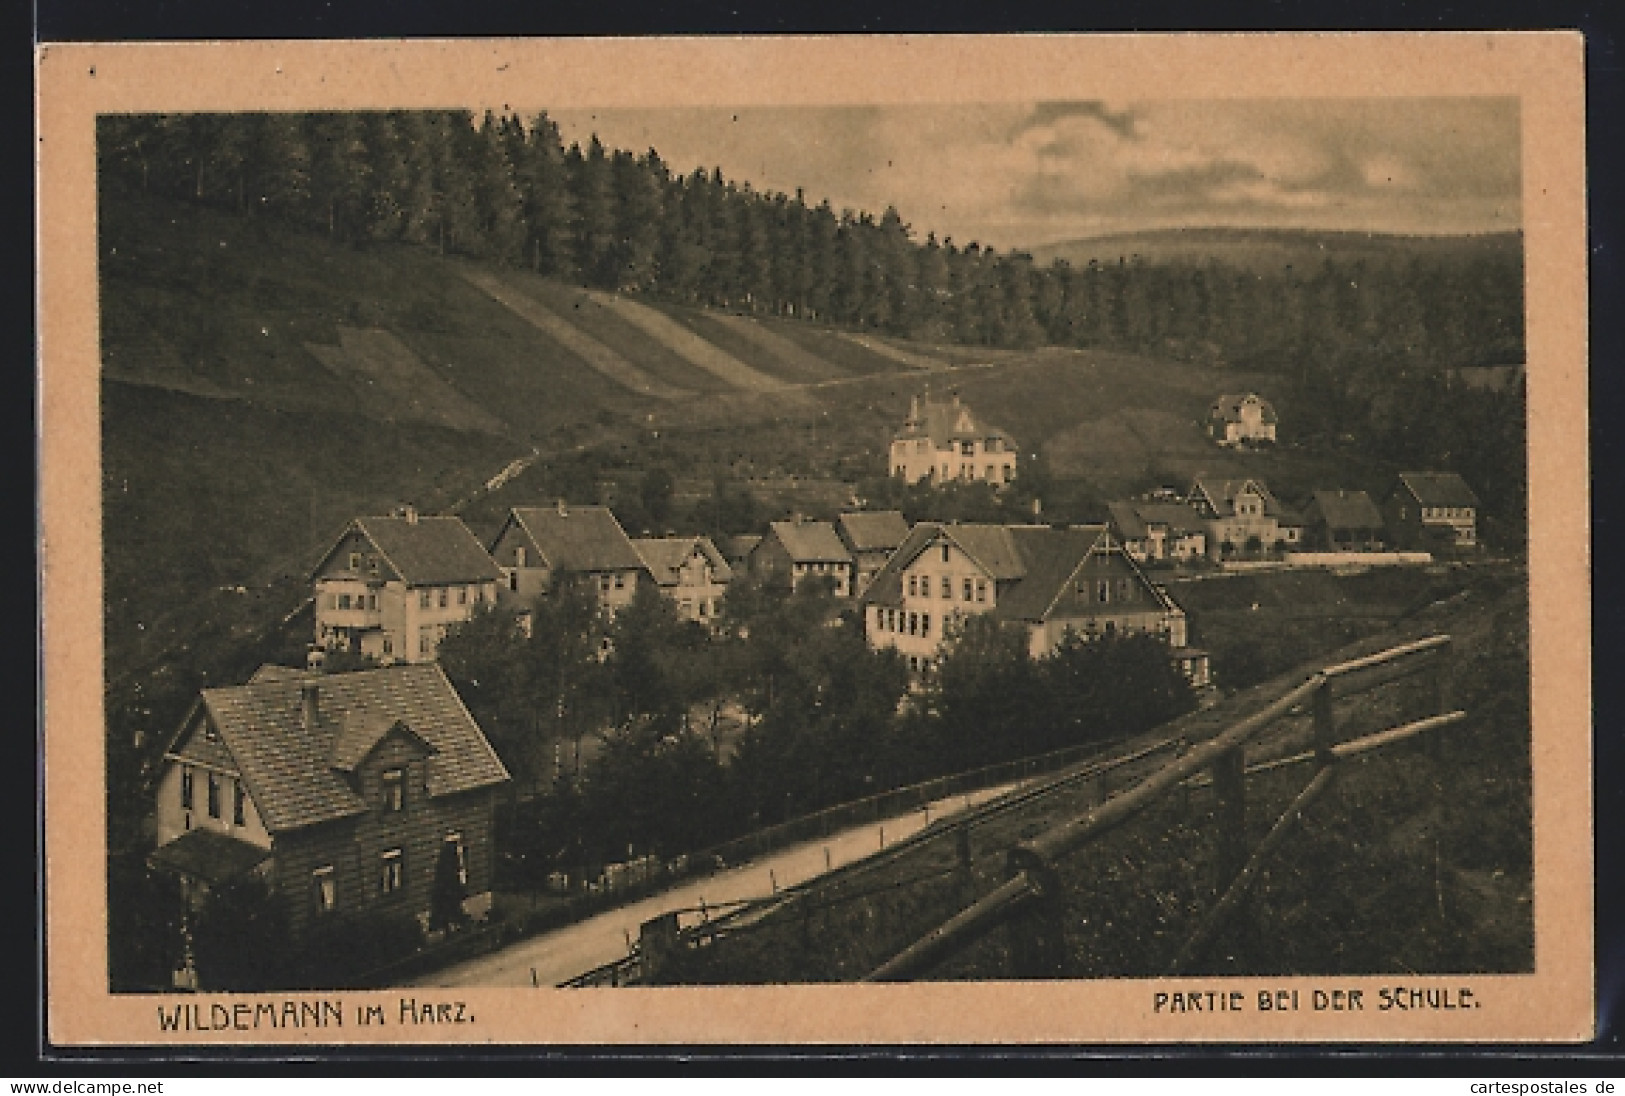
{"x": 1125, "y": 589}
{"x": 967, "y": 448}
{"x": 603, "y": 584}
{"x": 969, "y": 587}
{"x": 925, "y": 624}
{"x": 990, "y": 473}
{"x": 372, "y": 567}
{"x": 513, "y": 581}
{"x": 372, "y": 601}
{"x": 981, "y": 589}
{"x": 423, "y": 599}
{"x": 355, "y": 561}
{"x": 1103, "y": 591}
{"x": 391, "y": 875}
{"x": 913, "y": 585}
{"x": 519, "y": 556}
{"x": 394, "y": 790}
{"x": 1009, "y": 472}
{"x": 344, "y": 601}
{"x": 445, "y": 597}
{"x": 462, "y": 595}
{"x": 620, "y": 582}
{"x": 914, "y": 624}
{"x": 426, "y": 640}
{"x": 238, "y": 799}
{"x": 455, "y": 840}
{"x": 389, "y": 646}
{"x": 214, "y": 796}
{"x": 186, "y": 788}
{"x": 947, "y": 588}
{"x": 323, "y": 895}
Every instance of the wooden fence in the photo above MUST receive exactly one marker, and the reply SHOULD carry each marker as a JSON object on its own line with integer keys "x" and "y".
{"x": 1030, "y": 901}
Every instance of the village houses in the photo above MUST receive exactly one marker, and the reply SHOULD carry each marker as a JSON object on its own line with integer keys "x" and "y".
{"x": 1432, "y": 510}
{"x": 1343, "y": 521}
{"x": 690, "y": 571}
{"x": 943, "y": 442}
{"x": 539, "y": 547}
{"x": 1158, "y": 531}
{"x": 390, "y": 587}
{"x": 871, "y": 536}
{"x": 1243, "y": 518}
{"x": 1241, "y": 420}
{"x": 1052, "y": 582}
{"x": 346, "y": 793}
{"x": 794, "y": 551}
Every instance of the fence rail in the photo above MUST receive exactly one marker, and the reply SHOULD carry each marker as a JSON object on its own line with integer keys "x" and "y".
{"x": 1030, "y": 898}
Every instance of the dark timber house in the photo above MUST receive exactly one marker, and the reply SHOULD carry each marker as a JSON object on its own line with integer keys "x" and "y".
{"x": 343, "y": 791}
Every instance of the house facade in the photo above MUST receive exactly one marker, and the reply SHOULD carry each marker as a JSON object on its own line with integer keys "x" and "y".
{"x": 871, "y": 536}
{"x": 1237, "y": 420}
{"x": 1052, "y": 582}
{"x": 796, "y": 551}
{"x": 1344, "y": 521}
{"x": 1243, "y": 519}
{"x": 539, "y": 547}
{"x": 943, "y": 442}
{"x": 391, "y": 587}
{"x": 1158, "y": 532}
{"x": 344, "y": 792}
{"x": 690, "y": 571}
{"x": 1431, "y": 510}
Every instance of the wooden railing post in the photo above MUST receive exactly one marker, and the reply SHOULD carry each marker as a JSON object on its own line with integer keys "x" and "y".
{"x": 1230, "y": 788}
{"x": 1325, "y": 725}
{"x": 1037, "y": 932}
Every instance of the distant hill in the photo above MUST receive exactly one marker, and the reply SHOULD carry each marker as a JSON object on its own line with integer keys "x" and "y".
{"x": 1268, "y": 250}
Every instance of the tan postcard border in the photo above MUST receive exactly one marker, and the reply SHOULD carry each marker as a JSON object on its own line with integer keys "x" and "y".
{"x": 1545, "y": 70}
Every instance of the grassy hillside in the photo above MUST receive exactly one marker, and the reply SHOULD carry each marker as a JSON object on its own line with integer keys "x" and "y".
{"x": 264, "y": 385}
{"x": 1269, "y": 250}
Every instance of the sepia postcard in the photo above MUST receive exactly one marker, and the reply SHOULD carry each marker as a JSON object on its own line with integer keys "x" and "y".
{"x": 1040, "y": 539}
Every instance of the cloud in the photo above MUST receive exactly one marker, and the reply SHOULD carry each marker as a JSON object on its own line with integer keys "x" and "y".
{"x": 1014, "y": 175}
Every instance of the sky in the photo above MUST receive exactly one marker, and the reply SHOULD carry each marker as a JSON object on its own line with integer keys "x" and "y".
{"x": 1011, "y": 176}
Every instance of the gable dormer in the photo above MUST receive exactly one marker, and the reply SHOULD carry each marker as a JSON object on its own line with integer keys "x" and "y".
{"x": 383, "y": 761}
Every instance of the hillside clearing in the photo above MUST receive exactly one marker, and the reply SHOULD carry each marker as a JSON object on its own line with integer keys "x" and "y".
{"x": 685, "y": 343}
{"x": 589, "y": 350}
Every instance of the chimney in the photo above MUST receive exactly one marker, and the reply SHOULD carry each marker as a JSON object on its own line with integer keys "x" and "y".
{"x": 914, "y": 409}
{"x": 564, "y": 511}
{"x": 1038, "y": 506}
{"x": 310, "y": 704}
{"x": 409, "y": 512}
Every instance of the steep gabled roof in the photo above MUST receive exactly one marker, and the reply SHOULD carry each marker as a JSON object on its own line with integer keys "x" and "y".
{"x": 1030, "y": 562}
{"x": 946, "y": 422}
{"x": 665, "y": 556}
{"x": 1221, "y": 493}
{"x": 1228, "y": 408}
{"x": 294, "y": 773}
{"x": 576, "y": 539}
{"x": 1345, "y": 510}
{"x": 872, "y": 530}
{"x": 425, "y": 551}
{"x": 811, "y": 541}
{"x": 1051, "y": 557}
{"x": 1132, "y": 518}
{"x": 1438, "y": 489}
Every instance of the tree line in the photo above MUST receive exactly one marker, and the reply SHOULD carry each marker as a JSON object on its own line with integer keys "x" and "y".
{"x": 506, "y": 190}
